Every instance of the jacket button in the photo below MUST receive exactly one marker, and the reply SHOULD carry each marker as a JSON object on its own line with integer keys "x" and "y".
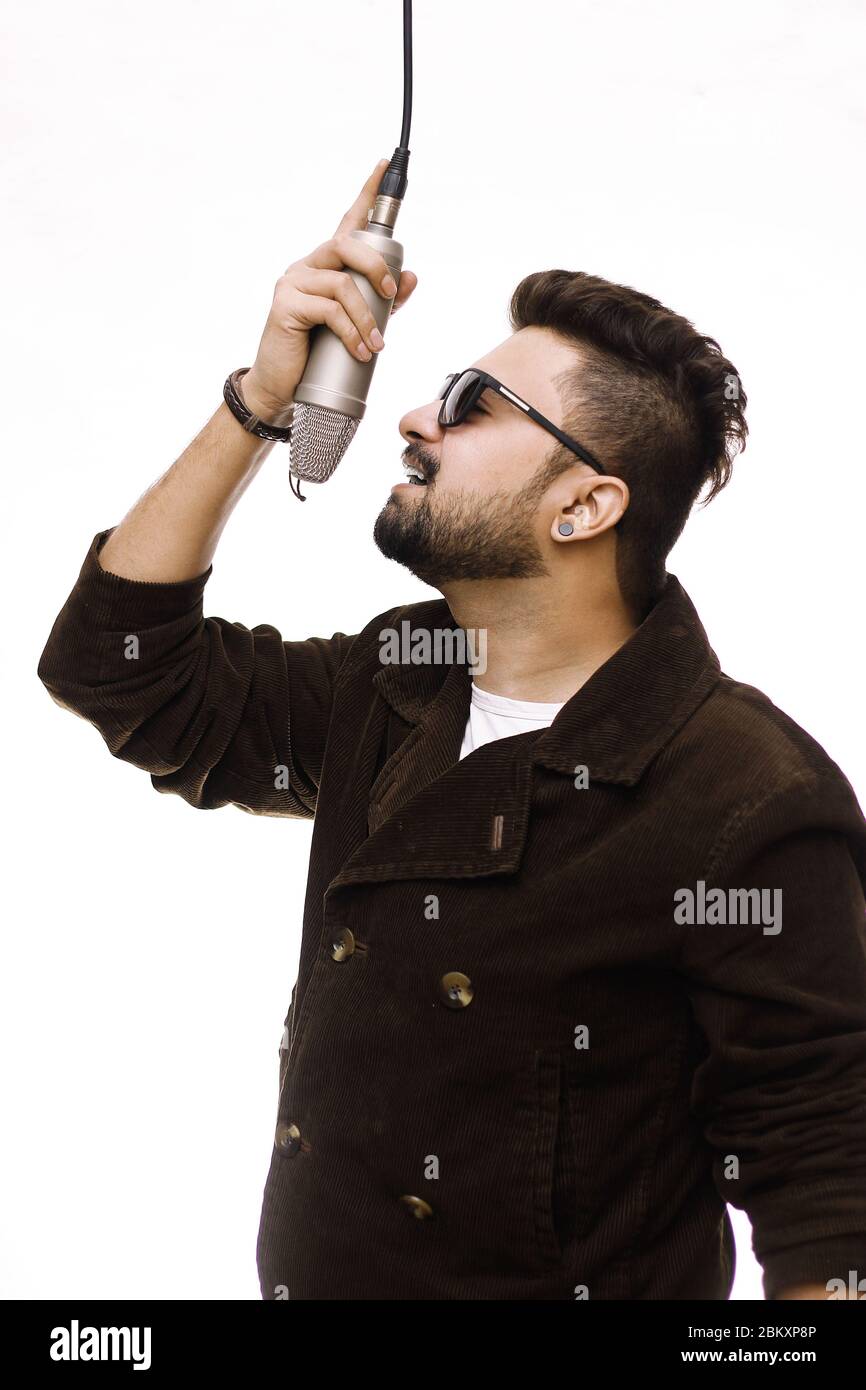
{"x": 343, "y": 944}
{"x": 418, "y": 1207}
{"x": 288, "y": 1139}
{"x": 455, "y": 990}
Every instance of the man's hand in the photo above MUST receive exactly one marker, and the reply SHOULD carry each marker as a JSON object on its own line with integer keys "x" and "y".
{"x": 316, "y": 289}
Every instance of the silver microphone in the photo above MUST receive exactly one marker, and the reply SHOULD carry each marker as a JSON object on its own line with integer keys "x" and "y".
{"x": 331, "y": 396}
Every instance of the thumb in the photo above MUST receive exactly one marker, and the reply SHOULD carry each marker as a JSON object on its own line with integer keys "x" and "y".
{"x": 356, "y": 216}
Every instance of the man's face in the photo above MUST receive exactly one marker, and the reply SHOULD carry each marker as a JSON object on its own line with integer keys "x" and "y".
{"x": 479, "y": 516}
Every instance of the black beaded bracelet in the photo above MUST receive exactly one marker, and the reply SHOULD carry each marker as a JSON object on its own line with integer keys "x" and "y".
{"x": 252, "y": 423}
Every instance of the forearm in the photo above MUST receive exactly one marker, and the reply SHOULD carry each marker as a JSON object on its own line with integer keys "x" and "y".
{"x": 172, "y": 531}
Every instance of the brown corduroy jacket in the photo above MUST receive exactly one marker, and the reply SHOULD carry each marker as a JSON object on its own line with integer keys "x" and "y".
{"x": 516, "y": 1066}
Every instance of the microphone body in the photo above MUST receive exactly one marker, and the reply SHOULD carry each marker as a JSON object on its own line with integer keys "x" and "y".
{"x": 331, "y": 397}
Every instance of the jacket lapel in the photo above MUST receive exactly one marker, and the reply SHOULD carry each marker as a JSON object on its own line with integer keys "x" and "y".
{"x": 428, "y": 814}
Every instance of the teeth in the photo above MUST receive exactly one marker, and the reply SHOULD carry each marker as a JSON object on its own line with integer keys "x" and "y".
{"x": 413, "y": 472}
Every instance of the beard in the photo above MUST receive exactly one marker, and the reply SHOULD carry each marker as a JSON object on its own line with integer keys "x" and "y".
{"x": 463, "y": 536}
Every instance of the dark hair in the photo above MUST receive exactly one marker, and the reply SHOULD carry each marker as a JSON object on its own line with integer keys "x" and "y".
{"x": 654, "y": 400}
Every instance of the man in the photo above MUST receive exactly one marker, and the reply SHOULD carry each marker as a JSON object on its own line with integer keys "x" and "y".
{"x": 583, "y": 955}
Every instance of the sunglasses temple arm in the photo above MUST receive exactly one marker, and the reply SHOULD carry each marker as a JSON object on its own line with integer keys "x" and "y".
{"x": 564, "y": 439}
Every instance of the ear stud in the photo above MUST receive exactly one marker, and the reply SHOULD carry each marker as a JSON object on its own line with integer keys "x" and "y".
{"x": 566, "y": 528}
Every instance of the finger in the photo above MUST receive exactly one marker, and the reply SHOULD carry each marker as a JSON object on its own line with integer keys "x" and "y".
{"x": 337, "y": 284}
{"x": 357, "y": 214}
{"x": 407, "y": 283}
{"x": 321, "y": 309}
{"x": 347, "y": 250}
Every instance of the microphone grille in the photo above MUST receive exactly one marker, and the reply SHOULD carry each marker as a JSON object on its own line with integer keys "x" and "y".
{"x": 320, "y": 438}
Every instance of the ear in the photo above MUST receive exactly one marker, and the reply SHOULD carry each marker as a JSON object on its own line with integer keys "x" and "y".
{"x": 605, "y": 500}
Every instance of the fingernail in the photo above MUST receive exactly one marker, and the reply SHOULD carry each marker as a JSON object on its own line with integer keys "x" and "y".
{"x": 376, "y": 338}
{"x": 389, "y": 285}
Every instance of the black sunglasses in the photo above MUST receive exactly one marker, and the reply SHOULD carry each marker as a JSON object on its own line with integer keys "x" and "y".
{"x": 460, "y": 393}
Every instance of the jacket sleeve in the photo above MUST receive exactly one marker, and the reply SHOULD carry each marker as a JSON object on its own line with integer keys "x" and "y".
{"x": 782, "y": 1087}
{"x": 217, "y": 713}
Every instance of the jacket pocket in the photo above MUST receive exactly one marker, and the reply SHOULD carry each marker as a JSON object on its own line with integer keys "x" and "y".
{"x": 554, "y": 1159}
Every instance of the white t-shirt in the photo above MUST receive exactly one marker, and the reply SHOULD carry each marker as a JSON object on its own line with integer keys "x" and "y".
{"x": 495, "y": 716}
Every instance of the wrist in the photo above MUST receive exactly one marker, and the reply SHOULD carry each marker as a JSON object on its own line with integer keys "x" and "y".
{"x": 258, "y": 401}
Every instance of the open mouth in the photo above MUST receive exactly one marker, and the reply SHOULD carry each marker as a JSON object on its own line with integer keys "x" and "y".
{"x": 414, "y": 475}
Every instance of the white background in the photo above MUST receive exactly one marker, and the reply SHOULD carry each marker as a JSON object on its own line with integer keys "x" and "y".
{"x": 162, "y": 164}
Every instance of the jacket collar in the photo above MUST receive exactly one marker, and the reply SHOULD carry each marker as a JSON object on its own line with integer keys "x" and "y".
{"x": 616, "y": 722}
{"x": 427, "y": 814}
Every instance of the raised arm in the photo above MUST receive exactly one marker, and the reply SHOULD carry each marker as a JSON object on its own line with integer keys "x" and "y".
{"x": 172, "y": 531}
{"x": 216, "y": 712}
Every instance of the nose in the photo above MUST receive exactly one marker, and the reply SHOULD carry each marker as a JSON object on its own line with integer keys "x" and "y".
{"x": 422, "y": 424}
